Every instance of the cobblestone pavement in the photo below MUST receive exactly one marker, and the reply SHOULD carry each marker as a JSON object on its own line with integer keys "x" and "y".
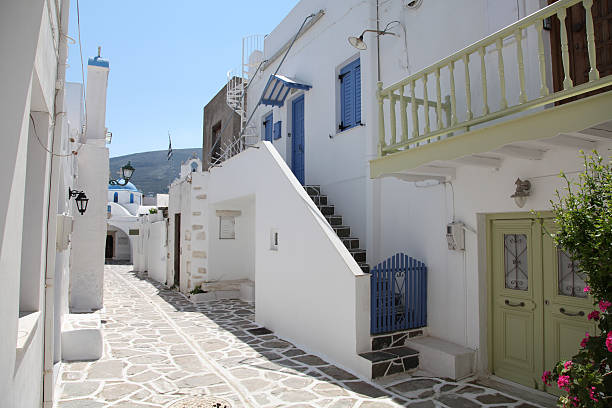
{"x": 160, "y": 348}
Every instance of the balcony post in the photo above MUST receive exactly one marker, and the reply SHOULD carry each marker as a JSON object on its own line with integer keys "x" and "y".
{"x": 590, "y": 32}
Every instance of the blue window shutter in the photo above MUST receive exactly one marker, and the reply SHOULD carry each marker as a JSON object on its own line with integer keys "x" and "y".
{"x": 277, "y": 130}
{"x": 116, "y": 197}
{"x": 350, "y": 95}
{"x": 131, "y": 198}
{"x": 268, "y": 128}
{"x": 357, "y": 72}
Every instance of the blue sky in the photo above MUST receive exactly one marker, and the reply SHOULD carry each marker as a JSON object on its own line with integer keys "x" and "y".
{"x": 167, "y": 60}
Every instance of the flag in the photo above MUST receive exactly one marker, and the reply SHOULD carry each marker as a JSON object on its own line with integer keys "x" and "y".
{"x": 169, "y": 147}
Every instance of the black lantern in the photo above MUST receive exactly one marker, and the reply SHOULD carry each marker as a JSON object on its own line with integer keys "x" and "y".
{"x": 80, "y": 199}
{"x": 126, "y": 172}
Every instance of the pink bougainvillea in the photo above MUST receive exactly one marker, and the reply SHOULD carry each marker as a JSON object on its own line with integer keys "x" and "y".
{"x": 587, "y": 289}
{"x": 584, "y": 341}
{"x": 594, "y": 315}
{"x": 592, "y": 394}
{"x": 567, "y": 365}
{"x": 609, "y": 341}
{"x": 546, "y": 377}
{"x": 563, "y": 382}
{"x": 604, "y": 305}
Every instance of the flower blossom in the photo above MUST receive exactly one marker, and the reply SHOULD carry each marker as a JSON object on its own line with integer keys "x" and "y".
{"x": 587, "y": 289}
{"x": 546, "y": 377}
{"x": 604, "y": 305}
{"x": 609, "y": 341}
{"x": 567, "y": 365}
{"x": 563, "y": 382}
{"x": 584, "y": 341}
{"x": 594, "y": 315}
{"x": 592, "y": 394}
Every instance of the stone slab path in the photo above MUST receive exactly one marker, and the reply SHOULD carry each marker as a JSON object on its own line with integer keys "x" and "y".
{"x": 160, "y": 348}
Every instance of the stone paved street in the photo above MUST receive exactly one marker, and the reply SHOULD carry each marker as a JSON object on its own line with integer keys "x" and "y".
{"x": 160, "y": 348}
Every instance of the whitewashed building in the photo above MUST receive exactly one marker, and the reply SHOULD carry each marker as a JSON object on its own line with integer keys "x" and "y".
{"x": 123, "y": 208}
{"x": 423, "y": 143}
{"x": 44, "y": 158}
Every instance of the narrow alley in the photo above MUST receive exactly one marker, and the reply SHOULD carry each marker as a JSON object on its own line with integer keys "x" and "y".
{"x": 161, "y": 350}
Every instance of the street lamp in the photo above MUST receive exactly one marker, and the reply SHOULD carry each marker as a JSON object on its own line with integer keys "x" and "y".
{"x": 126, "y": 172}
{"x": 80, "y": 198}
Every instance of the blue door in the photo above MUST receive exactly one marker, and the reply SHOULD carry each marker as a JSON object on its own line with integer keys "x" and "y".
{"x": 297, "y": 139}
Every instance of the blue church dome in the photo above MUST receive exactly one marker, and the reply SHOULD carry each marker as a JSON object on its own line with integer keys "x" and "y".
{"x": 128, "y": 187}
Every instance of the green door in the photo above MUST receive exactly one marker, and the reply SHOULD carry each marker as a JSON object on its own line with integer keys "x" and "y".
{"x": 566, "y": 305}
{"x": 538, "y": 305}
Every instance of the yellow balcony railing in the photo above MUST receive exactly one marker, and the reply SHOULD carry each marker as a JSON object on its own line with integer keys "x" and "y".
{"x": 515, "y": 87}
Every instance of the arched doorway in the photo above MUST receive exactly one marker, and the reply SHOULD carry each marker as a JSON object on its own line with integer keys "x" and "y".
{"x": 109, "y": 252}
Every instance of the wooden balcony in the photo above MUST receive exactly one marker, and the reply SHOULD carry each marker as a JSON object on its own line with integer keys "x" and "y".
{"x": 484, "y": 96}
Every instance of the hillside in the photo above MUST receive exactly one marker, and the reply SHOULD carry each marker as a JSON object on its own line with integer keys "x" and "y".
{"x": 153, "y": 171}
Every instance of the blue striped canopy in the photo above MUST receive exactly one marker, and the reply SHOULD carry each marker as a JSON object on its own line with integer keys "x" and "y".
{"x": 277, "y": 89}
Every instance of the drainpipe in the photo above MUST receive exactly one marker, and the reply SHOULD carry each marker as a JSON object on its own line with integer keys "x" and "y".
{"x": 51, "y": 216}
{"x": 378, "y": 40}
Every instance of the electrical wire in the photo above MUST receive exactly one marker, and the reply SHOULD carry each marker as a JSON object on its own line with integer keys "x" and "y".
{"x": 75, "y": 152}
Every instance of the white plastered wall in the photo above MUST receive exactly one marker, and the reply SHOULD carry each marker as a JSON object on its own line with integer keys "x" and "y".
{"x": 312, "y": 275}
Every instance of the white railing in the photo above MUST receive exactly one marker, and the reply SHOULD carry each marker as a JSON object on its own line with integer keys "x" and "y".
{"x": 237, "y": 80}
{"x": 415, "y": 127}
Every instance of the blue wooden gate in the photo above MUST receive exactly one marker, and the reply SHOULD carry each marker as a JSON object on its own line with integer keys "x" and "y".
{"x": 398, "y": 295}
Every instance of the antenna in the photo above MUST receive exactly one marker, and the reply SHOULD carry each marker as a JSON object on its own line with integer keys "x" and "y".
{"x": 99, "y": 50}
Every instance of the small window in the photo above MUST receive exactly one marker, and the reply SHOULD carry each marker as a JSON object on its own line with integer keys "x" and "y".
{"x": 267, "y": 125}
{"x": 131, "y": 198}
{"x": 277, "y": 130}
{"x": 350, "y": 95}
{"x": 116, "y": 197}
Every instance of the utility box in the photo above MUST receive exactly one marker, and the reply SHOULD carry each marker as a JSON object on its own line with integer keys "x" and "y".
{"x": 455, "y": 236}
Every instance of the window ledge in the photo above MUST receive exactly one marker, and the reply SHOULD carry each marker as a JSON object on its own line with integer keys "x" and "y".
{"x": 26, "y": 328}
{"x": 348, "y": 129}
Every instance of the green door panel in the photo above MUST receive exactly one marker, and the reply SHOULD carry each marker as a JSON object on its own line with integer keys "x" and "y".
{"x": 517, "y": 310}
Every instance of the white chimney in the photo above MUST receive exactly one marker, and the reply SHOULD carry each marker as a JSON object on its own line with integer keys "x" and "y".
{"x": 97, "y": 82}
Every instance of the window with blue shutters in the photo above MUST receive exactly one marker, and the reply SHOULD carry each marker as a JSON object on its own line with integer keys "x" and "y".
{"x": 116, "y": 197}
{"x": 350, "y": 95}
{"x": 131, "y": 198}
{"x": 277, "y": 130}
{"x": 267, "y": 124}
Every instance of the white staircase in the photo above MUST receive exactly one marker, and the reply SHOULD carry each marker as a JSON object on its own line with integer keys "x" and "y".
{"x": 237, "y": 79}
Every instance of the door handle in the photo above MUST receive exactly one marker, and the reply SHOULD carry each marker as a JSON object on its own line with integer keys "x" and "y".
{"x": 580, "y": 313}
{"x": 507, "y": 302}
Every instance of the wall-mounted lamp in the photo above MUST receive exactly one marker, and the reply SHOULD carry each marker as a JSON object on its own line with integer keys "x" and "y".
{"x": 80, "y": 198}
{"x": 126, "y": 172}
{"x": 523, "y": 190}
{"x": 358, "y": 42}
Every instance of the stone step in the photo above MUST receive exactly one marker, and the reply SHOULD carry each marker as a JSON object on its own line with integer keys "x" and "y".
{"x": 342, "y": 231}
{"x": 313, "y": 190}
{"x": 395, "y": 339}
{"x": 334, "y": 219}
{"x": 358, "y": 254}
{"x": 443, "y": 358}
{"x": 327, "y": 209}
{"x": 351, "y": 243}
{"x": 364, "y": 267}
{"x": 392, "y": 361}
{"x": 319, "y": 199}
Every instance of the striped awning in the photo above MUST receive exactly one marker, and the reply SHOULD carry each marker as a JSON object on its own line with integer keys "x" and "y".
{"x": 277, "y": 89}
